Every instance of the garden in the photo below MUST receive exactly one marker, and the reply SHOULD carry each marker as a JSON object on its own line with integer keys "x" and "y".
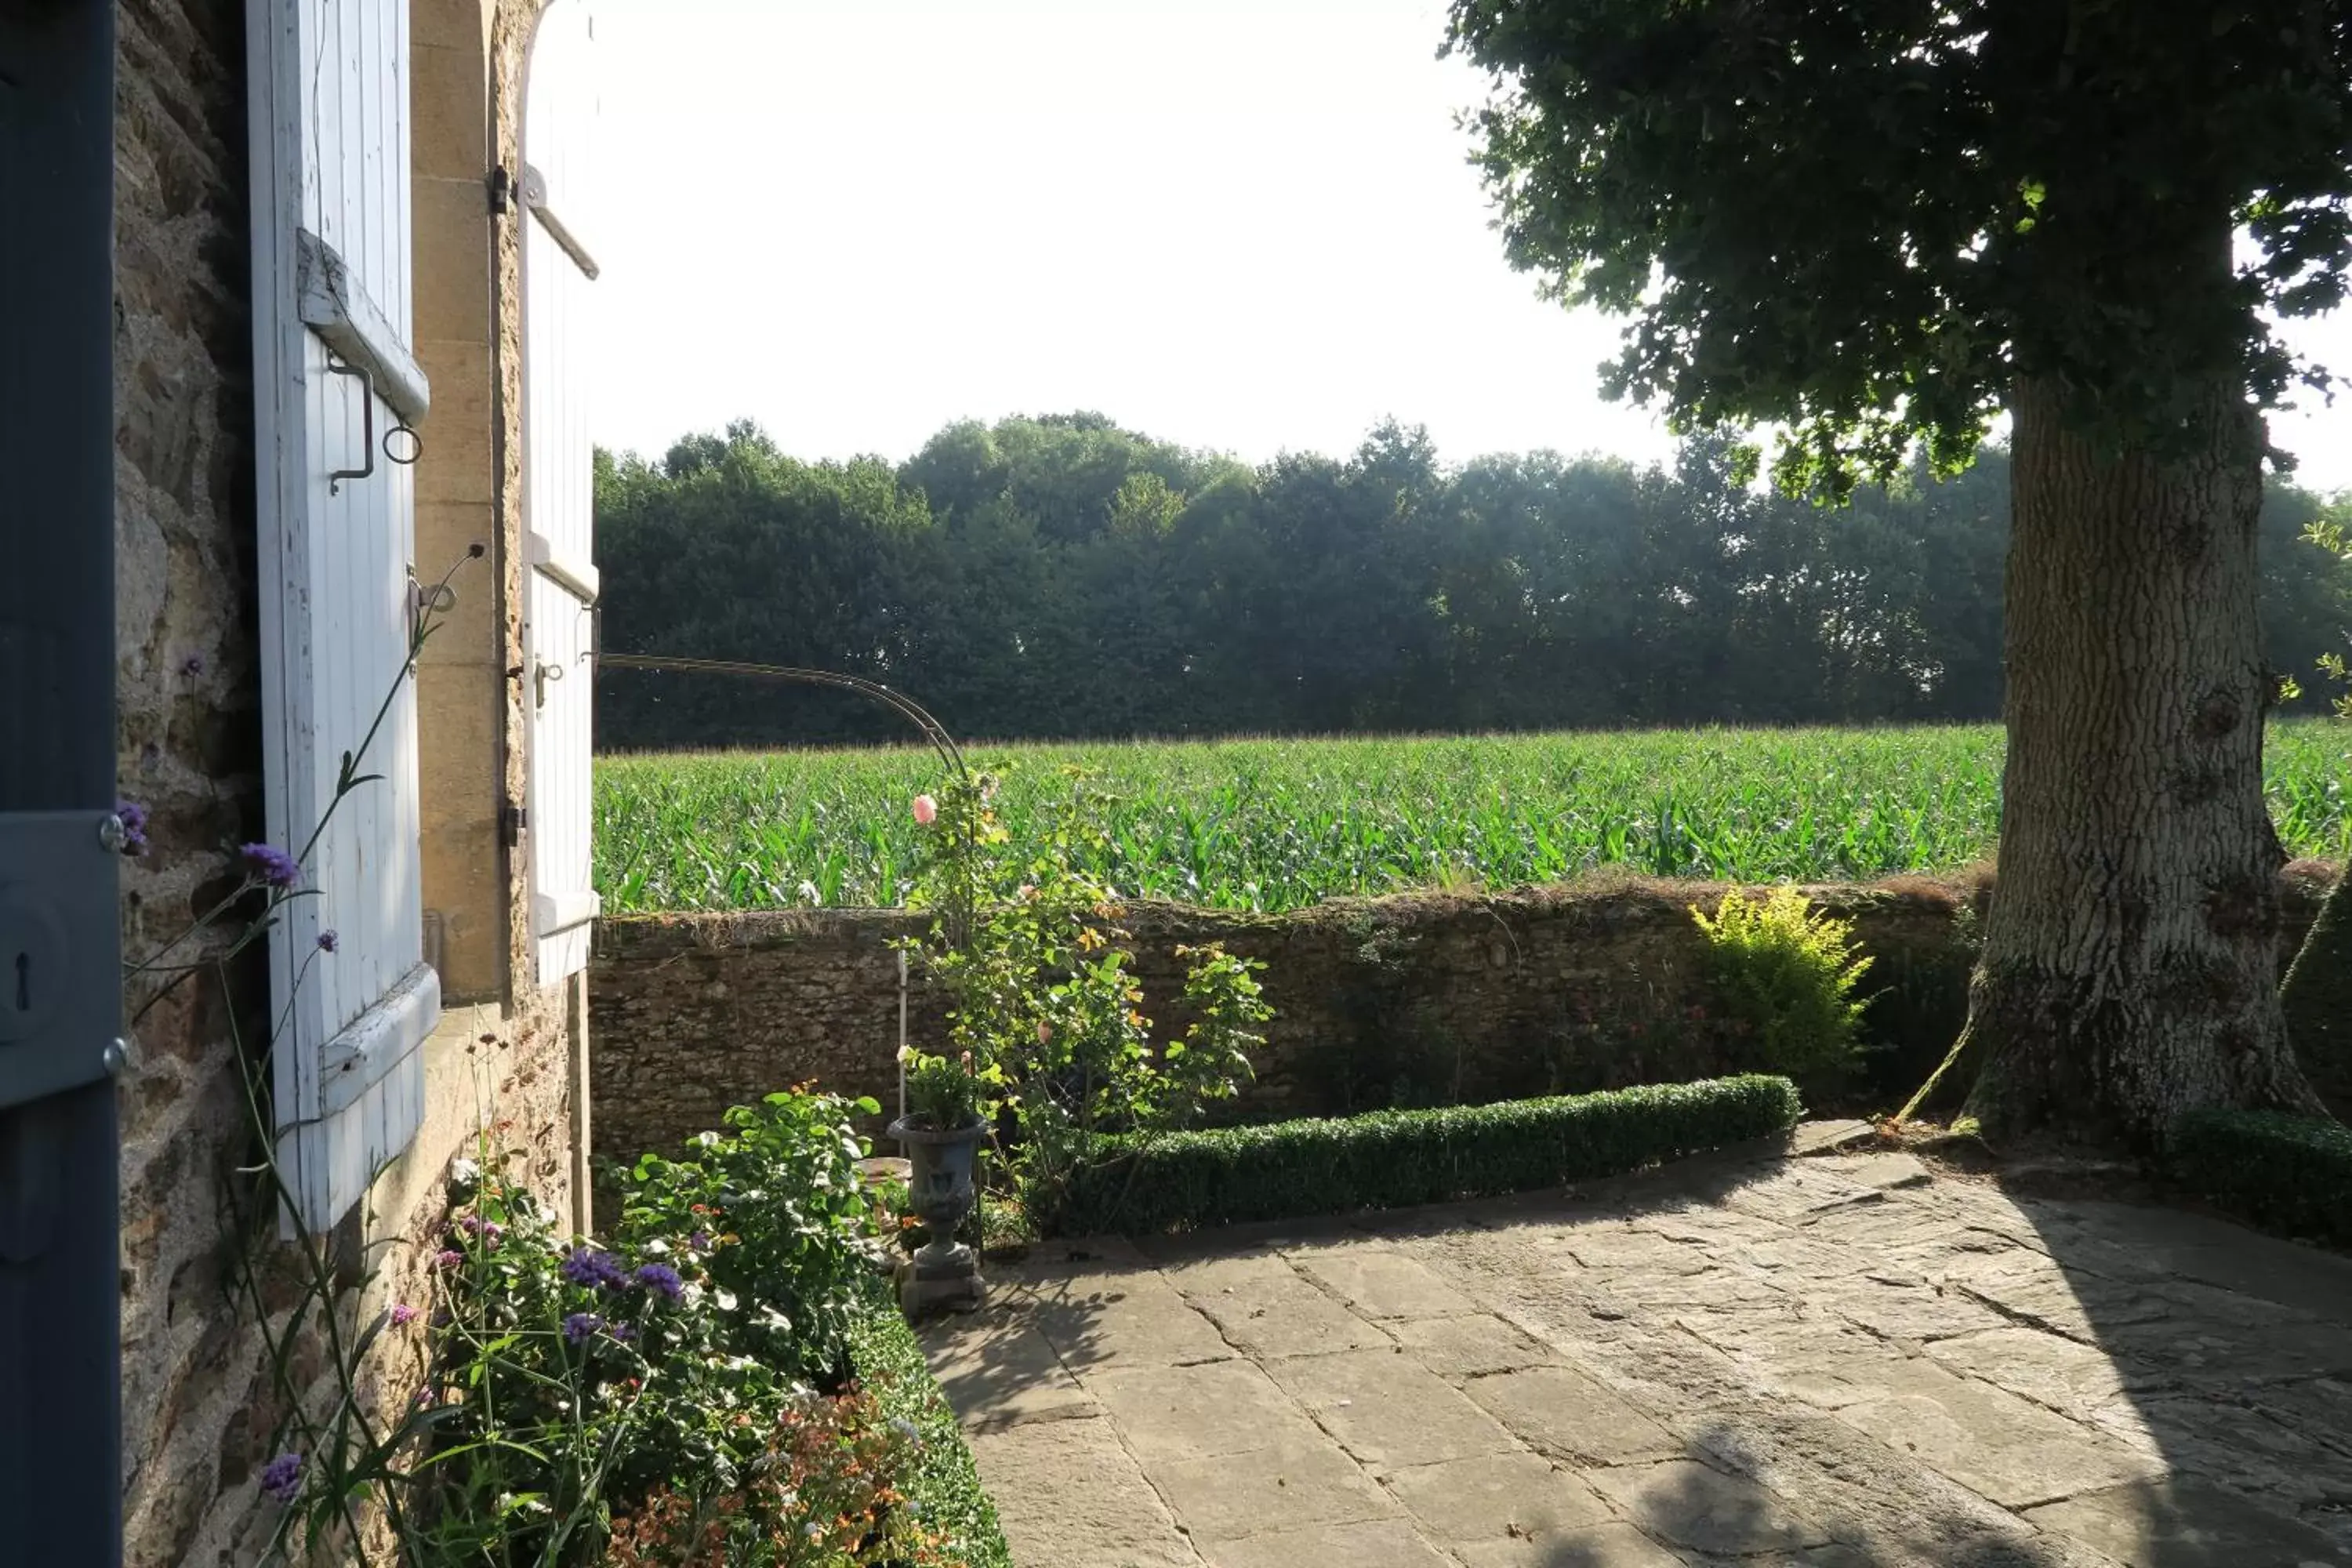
{"x": 727, "y": 1375}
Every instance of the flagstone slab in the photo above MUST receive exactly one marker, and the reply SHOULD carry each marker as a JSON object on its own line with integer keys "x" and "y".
{"x": 998, "y": 1371}
{"x": 1495, "y": 1497}
{"x": 2181, "y": 1522}
{"x": 1986, "y": 1438}
{"x": 1562, "y": 1411}
{"x": 1603, "y": 1546}
{"x": 1684, "y": 1503}
{"x": 1283, "y": 1316}
{"x": 1390, "y": 1545}
{"x": 1297, "y": 1482}
{"x": 1469, "y": 1347}
{"x": 1178, "y": 1413}
{"x": 1115, "y": 1519}
{"x": 1387, "y": 1409}
{"x": 1382, "y": 1284}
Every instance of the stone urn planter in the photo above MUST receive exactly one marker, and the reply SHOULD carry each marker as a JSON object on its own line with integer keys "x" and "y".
{"x": 942, "y": 1188}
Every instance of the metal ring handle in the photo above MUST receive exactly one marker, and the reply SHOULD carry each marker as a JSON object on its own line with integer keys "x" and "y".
{"x": 415, "y": 443}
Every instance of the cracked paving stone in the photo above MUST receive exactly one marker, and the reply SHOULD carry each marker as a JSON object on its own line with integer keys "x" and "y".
{"x": 2176, "y": 1520}
{"x": 1563, "y": 1412}
{"x": 1386, "y": 1408}
{"x": 1115, "y": 1521}
{"x": 1990, "y": 1440}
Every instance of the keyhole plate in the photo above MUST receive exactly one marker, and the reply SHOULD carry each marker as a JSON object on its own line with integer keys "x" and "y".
{"x": 60, "y": 952}
{"x": 34, "y": 974}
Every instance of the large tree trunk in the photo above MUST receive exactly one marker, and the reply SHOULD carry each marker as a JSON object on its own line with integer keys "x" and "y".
{"x": 2317, "y": 999}
{"x": 2129, "y": 969}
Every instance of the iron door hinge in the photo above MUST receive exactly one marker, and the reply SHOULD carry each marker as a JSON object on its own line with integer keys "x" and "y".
{"x": 512, "y": 820}
{"x": 501, "y": 189}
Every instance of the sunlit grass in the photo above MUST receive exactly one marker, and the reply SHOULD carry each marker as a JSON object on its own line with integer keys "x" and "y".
{"x": 1275, "y": 824}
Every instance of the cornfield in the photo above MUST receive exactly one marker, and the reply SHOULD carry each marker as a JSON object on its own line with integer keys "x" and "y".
{"x": 1269, "y": 824}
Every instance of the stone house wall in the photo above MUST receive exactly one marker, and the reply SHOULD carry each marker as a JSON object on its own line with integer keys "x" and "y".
{"x": 506, "y": 1065}
{"x": 1408, "y": 1001}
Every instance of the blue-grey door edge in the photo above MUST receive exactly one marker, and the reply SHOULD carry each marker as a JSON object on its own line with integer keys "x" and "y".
{"x": 61, "y": 976}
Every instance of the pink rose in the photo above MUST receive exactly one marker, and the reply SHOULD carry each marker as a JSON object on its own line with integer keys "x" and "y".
{"x": 926, "y": 810}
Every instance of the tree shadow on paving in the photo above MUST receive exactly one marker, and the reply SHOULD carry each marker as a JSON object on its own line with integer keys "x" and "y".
{"x": 2038, "y": 1379}
{"x": 1018, "y": 1357}
{"x": 2222, "y": 1355}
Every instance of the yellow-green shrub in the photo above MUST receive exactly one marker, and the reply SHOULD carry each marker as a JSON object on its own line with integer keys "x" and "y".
{"x": 1785, "y": 972}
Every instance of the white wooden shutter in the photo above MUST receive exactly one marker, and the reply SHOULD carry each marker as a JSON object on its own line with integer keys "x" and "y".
{"x": 560, "y": 593}
{"x": 333, "y": 371}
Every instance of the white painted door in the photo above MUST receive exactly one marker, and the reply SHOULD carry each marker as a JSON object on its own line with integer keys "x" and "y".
{"x": 559, "y": 274}
{"x": 333, "y": 371}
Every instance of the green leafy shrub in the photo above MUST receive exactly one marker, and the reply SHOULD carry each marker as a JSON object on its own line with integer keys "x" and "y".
{"x": 1391, "y": 1159}
{"x": 942, "y": 1485}
{"x": 574, "y": 1384}
{"x": 704, "y": 1393}
{"x": 779, "y": 1205}
{"x": 1044, "y": 1016}
{"x": 2289, "y": 1174}
{"x": 1785, "y": 973}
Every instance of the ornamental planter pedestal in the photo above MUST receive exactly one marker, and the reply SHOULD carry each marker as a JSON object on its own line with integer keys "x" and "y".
{"x": 942, "y": 1272}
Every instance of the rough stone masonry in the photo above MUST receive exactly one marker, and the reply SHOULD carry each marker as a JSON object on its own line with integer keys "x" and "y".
{"x": 1413, "y": 1000}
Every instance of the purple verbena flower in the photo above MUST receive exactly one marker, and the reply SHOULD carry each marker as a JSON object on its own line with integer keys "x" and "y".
{"x": 580, "y": 1325}
{"x": 329, "y": 942}
{"x": 699, "y": 1241}
{"x": 623, "y": 1332}
{"x": 661, "y": 1276}
{"x": 133, "y": 817}
{"x": 271, "y": 864}
{"x": 448, "y": 1258}
{"x": 193, "y": 665}
{"x": 402, "y": 1314}
{"x": 586, "y": 1265}
{"x": 282, "y": 1477}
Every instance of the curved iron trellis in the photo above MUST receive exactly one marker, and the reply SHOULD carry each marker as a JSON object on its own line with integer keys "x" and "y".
{"x": 896, "y": 701}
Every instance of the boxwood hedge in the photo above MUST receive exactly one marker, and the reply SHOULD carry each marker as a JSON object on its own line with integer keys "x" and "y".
{"x": 1391, "y": 1159}
{"x": 945, "y": 1484}
{"x": 2289, "y": 1174}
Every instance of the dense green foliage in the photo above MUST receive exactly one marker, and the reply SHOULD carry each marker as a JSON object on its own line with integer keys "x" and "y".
{"x": 1785, "y": 972}
{"x": 941, "y": 1483}
{"x": 1394, "y": 1159}
{"x": 1060, "y": 577}
{"x": 715, "y": 1388}
{"x": 1044, "y": 1013}
{"x": 778, "y": 1193}
{"x": 2289, "y": 1174}
{"x": 1866, "y": 223}
{"x": 1274, "y": 824}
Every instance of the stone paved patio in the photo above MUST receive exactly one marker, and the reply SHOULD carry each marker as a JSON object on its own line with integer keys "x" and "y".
{"x": 1833, "y": 1360}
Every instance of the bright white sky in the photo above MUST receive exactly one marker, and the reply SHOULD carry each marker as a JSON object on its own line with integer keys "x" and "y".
{"x": 1243, "y": 225}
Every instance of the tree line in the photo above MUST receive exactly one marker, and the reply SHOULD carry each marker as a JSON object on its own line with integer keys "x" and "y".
{"x": 1061, "y": 577}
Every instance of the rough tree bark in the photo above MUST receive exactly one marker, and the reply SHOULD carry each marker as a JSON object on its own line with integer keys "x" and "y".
{"x": 2317, "y": 1001}
{"x": 2129, "y": 971}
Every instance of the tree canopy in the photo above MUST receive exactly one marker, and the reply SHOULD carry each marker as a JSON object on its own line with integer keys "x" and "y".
{"x": 1863, "y": 222}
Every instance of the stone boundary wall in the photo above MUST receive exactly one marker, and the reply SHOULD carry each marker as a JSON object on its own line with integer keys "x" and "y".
{"x": 1413, "y": 1000}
